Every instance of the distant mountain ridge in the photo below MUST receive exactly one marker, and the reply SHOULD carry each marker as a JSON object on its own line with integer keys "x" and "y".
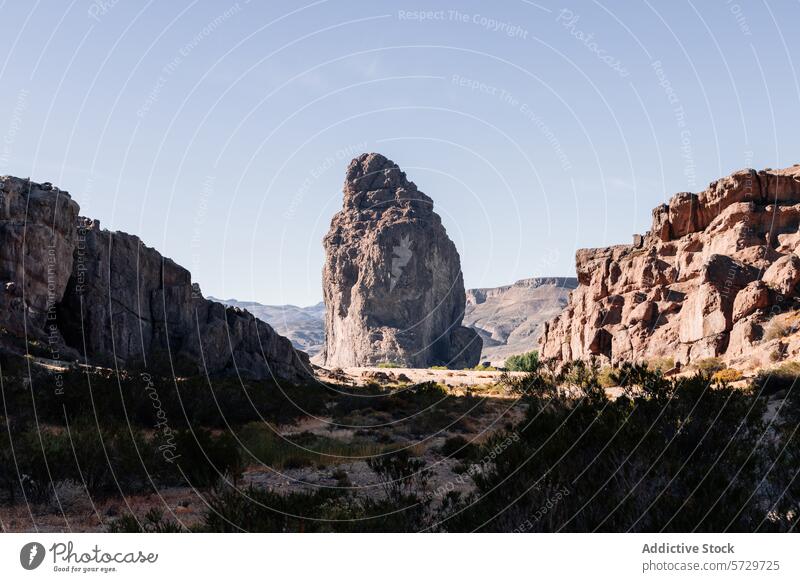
{"x": 303, "y": 326}
{"x": 509, "y": 318}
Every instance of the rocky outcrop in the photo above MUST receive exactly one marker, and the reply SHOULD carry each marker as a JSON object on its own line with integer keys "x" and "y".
{"x": 713, "y": 269}
{"x": 510, "y": 319}
{"x": 107, "y": 299}
{"x": 38, "y": 234}
{"x": 303, "y": 326}
{"x": 392, "y": 281}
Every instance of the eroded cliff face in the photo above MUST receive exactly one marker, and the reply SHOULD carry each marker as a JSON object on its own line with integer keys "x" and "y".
{"x": 38, "y": 234}
{"x": 106, "y": 299}
{"x": 703, "y": 282}
{"x": 392, "y": 281}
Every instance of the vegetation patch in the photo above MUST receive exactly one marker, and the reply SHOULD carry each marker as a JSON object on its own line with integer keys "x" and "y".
{"x": 727, "y": 375}
{"x": 527, "y": 362}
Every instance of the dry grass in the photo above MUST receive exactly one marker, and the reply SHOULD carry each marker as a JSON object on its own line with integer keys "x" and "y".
{"x": 727, "y": 375}
{"x": 663, "y": 364}
{"x": 777, "y": 328}
{"x": 263, "y": 445}
{"x": 709, "y": 365}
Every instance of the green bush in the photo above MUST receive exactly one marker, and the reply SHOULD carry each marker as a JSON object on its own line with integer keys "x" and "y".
{"x": 139, "y": 399}
{"x": 640, "y": 463}
{"x": 401, "y": 474}
{"x": 106, "y": 461}
{"x": 606, "y": 377}
{"x": 262, "y": 445}
{"x": 204, "y": 459}
{"x": 458, "y": 447}
{"x": 663, "y": 364}
{"x": 781, "y": 378}
{"x": 111, "y": 461}
{"x": 709, "y": 366}
{"x": 527, "y": 362}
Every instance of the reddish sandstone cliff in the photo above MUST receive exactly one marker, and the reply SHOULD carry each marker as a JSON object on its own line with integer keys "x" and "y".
{"x": 705, "y": 281}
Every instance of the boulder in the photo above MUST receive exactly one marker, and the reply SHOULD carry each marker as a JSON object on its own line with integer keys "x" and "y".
{"x": 783, "y": 275}
{"x": 753, "y": 297}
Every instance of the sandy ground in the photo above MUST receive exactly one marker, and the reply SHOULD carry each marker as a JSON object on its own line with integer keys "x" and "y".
{"x": 360, "y": 376}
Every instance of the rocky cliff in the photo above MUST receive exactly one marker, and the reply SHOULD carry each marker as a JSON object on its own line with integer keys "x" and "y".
{"x": 303, "y": 326}
{"x": 705, "y": 281}
{"x": 510, "y": 319}
{"x": 105, "y": 298}
{"x": 392, "y": 281}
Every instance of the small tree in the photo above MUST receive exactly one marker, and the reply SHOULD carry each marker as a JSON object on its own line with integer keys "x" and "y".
{"x": 527, "y": 362}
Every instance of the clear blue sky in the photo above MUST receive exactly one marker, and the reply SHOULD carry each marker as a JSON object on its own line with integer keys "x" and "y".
{"x": 219, "y": 132}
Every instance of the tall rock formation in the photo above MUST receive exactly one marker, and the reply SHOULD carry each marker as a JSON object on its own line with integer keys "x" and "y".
{"x": 105, "y": 298}
{"x": 703, "y": 282}
{"x": 392, "y": 281}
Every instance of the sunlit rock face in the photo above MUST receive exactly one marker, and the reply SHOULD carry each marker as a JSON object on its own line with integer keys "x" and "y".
{"x": 392, "y": 281}
{"x": 703, "y": 282}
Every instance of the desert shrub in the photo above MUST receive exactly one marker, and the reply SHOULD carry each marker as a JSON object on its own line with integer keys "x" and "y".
{"x": 302, "y": 450}
{"x": 389, "y": 365}
{"x": 104, "y": 461}
{"x": 552, "y": 380}
{"x": 424, "y": 394}
{"x": 727, "y": 375}
{"x": 341, "y": 476}
{"x": 438, "y": 368}
{"x": 776, "y": 329}
{"x": 111, "y": 461}
{"x": 482, "y": 368}
{"x": 783, "y": 377}
{"x": 204, "y": 459}
{"x": 605, "y": 377}
{"x": 458, "y": 447}
{"x": 398, "y": 403}
{"x": 709, "y": 366}
{"x": 638, "y": 463}
{"x": 327, "y": 510}
{"x": 785, "y": 512}
{"x": 153, "y": 522}
{"x": 663, "y": 364}
{"x": 640, "y": 380}
{"x": 147, "y": 400}
{"x": 256, "y": 510}
{"x": 527, "y": 362}
{"x": 70, "y": 496}
{"x": 401, "y": 474}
